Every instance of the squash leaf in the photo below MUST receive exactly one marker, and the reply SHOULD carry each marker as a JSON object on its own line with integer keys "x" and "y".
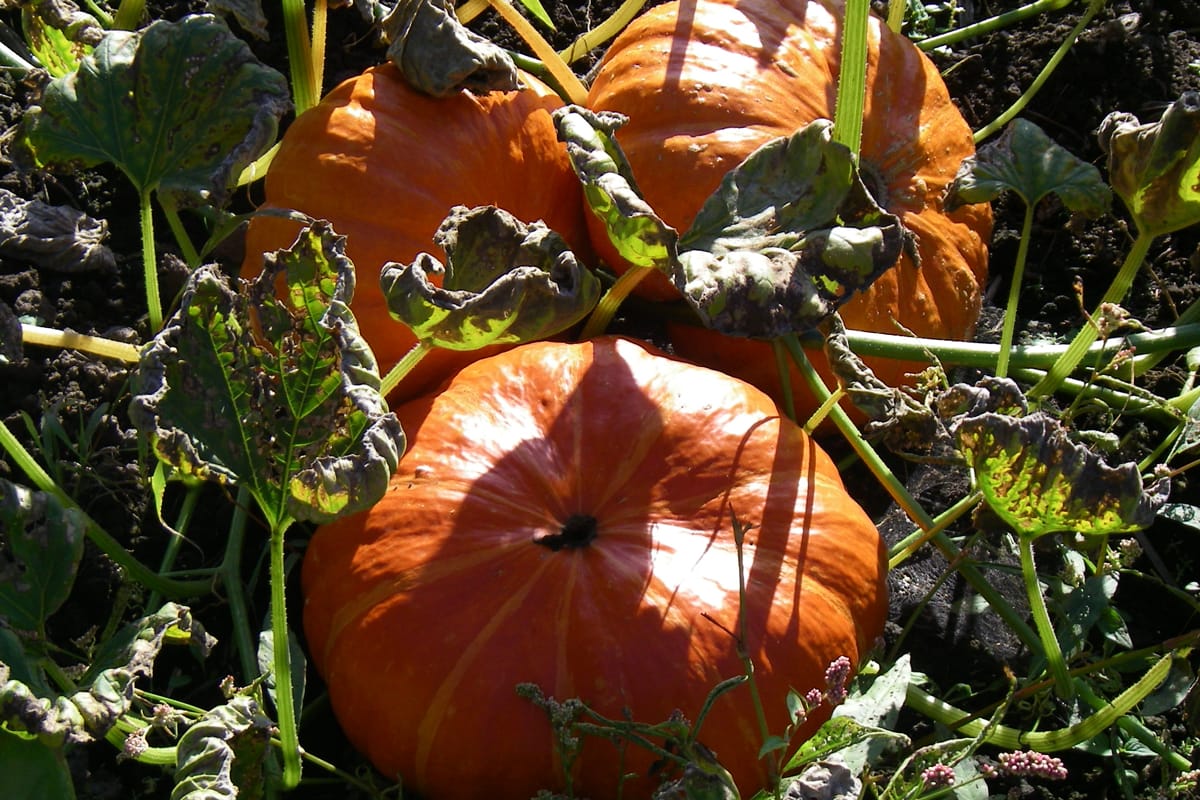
{"x": 59, "y": 238}
{"x": 31, "y": 769}
{"x": 224, "y": 754}
{"x": 1025, "y": 160}
{"x": 1155, "y": 167}
{"x": 440, "y": 56}
{"x": 180, "y": 107}
{"x": 106, "y": 691}
{"x": 1040, "y": 482}
{"x": 59, "y": 34}
{"x": 44, "y": 547}
{"x": 639, "y": 235}
{"x": 503, "y": 282}
{"x": 790, "y": 235}
{"x": 278, "y": 393}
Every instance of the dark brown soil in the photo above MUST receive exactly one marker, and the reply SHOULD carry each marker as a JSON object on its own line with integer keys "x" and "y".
{"x": 1136, "y": 57}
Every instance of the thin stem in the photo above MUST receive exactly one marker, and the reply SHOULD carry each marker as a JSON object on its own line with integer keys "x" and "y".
{"x": 561, "y": 71}
{"x": 600, "y": 34}
{"x": 190, "y": 256}
{"x": 258, "y": 168}
{"x": 606, "y": 309}
{"x": 895, "y": 17}
{"x": 1017, "y": 107}
{"x": 235, "y": 592}
{"x": 22, "y": 460}
{"x": 69, "y": 340}
{"x": 991, "y": 24}
{"x": 150, "y": 262}
{"x": 404, "y": 366}
{"x": 285, "y": 705}
{"x": 1041, "y": 620}
{"x": 1014, "y": 295}
{"x": 1135, "y": 728}
{"x": 901, "y": 550}
{"x": 782, "y": 366}
{"x": 15, "y": 59}
{"x": 852, "y": 77}
{"x": 182, "y": 523}
{"x": 1083, "y": 340}
{"x": 1043, "y": 741}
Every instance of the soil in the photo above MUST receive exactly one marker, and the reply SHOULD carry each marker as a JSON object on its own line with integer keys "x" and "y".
{"x": 1135, "y": 57}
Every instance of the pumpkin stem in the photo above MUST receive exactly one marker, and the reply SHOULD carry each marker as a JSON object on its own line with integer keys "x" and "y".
{"x": 578, "y": 531}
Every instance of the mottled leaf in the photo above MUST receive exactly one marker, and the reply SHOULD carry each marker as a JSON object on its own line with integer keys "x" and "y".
{"x": 58, "y": 238}
{"x": 1155, "y": 167}
{"x": 59, "y": 34}
{"x": 275, "y": 391}
{"x": 635, "y": 230}
{"x": 790, "y": 235}
{"x": 248, "y": 13}
{"x": 439, "y": 56}
{"x": 1040, "y": 482}
{"x": 1023, "y": 159}
{"x": 105, "y": 691}
{"x": 504, "y": 282}
{"x": 180, "y": 107}
{"x": 224, "y": 754}
{"x": 40, "y": 550}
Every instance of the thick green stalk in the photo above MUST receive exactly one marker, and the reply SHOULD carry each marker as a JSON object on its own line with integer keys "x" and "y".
{"x": 69, "y": 340}
{"x": 285, "y": 706}
{"x": 1041, "y": 620}
{"x": 1014, "y": 294}
{"x": 852, "y": 77}
{"x": 129, "y": 15}
{"x": 305, "y": 93}
{"x": 1083, "y": 340}
{"x": 999, "y": 122}
{"x": 606, "y": 309}
{"x": 150, "y": 261}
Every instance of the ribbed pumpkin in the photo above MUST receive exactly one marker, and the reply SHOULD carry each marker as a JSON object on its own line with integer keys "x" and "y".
{"x": 705, "y": 82}
{"x": 564, "y": 516}
{"x": 385, "y": 164}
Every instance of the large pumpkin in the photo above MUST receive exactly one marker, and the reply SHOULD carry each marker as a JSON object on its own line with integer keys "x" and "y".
{"x": 705, "y": 82}
{"x": 385, "y": 164}
{"x": 564, "y": 516}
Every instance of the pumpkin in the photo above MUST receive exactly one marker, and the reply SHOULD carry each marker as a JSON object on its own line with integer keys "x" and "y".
{"x": 564, "y": 517}
{"x": 385, "y": 164}
{"x": 706, "y": 82}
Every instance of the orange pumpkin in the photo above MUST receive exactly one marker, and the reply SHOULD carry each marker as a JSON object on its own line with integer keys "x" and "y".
{"x": 385, "y": 164}
{"x": 706, "y": 82}
{"x": 563, "y": 516}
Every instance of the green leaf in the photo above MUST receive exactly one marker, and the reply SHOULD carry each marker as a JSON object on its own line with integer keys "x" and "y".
{"x": 504, "y": 282}
{"x": 1155, "y": 167}
{"x": 790, "y": 235}
{"x": 180, "y": 107}
{"x": 224, "y": 754}
{"x": 439, "y": 56}
{"x": 59, "y": 34}
{"x": 44, "y": 547}
{"x": 1039, "y": 482}
{"x": 834, "y": 736}
{"x": 280, "y": 394}
{"x": 635, "y": 230}
{"x": 31, "y": 769}
{"x": 536, "y": 8}
{"x": 1023, "y": 159}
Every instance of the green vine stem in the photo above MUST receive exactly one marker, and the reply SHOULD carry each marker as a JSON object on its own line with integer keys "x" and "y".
{"x": 305, "y": 92}
{"x": 15, "y": 60}
{"x": 1134, "y": 727}
{"x": 129, "y": 15}
{"x": 285, "y": 705}
{"x": 991, "y": 24}
{"x": 1083, "y": 340}
{"x": 168, "y": 587}
{"x": 69, "y": 340}
{"x": 235, "y": 593}
{"x": 852, "y": 77}
{"x": 1014, "y": 294}
{"x": 177, "y": 532}
{"x": 150, "y": 261}
{"x": 404, "y": 366}
{"x": 600, "y": 34}
{"x": 906, "y": 501}
{"x": 576, "y": 92}
{"x": 1041, "y": 619}
{"x": 1007, "y": 737}
{"x": 1019, "y": 105}
{"x": 902, "y": 550}
{"x": 606, "y": 309}
{"x": 190, "y": 256}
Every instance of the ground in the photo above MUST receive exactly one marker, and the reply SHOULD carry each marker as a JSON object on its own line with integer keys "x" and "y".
{"x": 1135, "y": 57}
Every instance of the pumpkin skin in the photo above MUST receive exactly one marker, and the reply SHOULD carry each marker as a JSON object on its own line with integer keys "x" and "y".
{"x": 706, "y": 82}
{"x": 385, "y": 164}
{"x": 423, "y": 613}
